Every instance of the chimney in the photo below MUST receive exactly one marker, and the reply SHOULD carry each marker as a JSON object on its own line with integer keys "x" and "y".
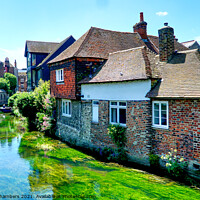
{"x": 15, "y": 64}
{"x": 141, "y": 27}
{"x": 166, "y": 43}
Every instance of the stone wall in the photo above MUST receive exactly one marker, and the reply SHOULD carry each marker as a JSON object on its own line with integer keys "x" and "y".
{"x": 138, "y": 125}
{"x": 183, "y": 133}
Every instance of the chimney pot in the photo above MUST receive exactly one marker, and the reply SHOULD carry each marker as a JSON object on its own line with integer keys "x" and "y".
{"x": 166, "y": 24}
{"x": 141, "y": 17}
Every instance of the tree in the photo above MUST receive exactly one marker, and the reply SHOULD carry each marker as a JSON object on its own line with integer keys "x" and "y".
{"x": 12, "y": 80}
{"x": 4, "y": 84}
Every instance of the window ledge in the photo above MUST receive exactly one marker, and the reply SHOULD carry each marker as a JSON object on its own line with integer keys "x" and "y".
{"x": 123, "y": 125}
{"x": 160, "y": 127}
{"x": 59, "y": 82}
{"x": 65, "y": 115}
{"x": 96, "y": 123}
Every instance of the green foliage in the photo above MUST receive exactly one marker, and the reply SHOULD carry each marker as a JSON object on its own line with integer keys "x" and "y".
{"x": 4, "y": 84}
{"x": 176, "y": 165}
{"x": 12, "y": 80}
{"x": 117, "y": 134}
{"x": 26, "y": 105}
{"x": 40, "y": 95}
{"x": 154, "y": 160}
{"x": 44, "y": 122}
{"x": 12, "y": 99}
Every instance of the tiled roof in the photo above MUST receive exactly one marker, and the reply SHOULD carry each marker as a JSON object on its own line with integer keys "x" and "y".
{"x": 55, "y": 49}
{"x": 98, "y": 43}
{"x": 180, "y": 77}
{"x": 40, "y": 47}
{"x": 126, "y": 65}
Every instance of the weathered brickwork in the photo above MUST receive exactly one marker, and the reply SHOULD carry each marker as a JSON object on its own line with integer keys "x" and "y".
{"x": 183, "y": 133}
{"x": 99, "y": 136}
{"x": 75, "y": 70}
{"x": 67, "y": 88}
{"x": 138, "y": 129}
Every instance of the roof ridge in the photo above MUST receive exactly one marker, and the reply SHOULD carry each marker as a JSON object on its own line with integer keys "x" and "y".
{"x": 188, "y": 41}
{"x": 42, "y": 41}
{"x": 135, "y": 48}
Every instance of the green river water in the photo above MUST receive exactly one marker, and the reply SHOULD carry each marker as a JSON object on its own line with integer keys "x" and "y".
{"x": 33, "y": 166}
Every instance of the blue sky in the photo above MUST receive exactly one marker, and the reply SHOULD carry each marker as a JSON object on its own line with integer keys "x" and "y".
{"x": 54, "y": 20}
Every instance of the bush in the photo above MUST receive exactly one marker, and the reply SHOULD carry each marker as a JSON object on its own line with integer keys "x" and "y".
{"x": 176, "y": 166}
{"x": 11, "y": 100}
{"x": 117, "y": 134}
{"x": 12, "y": 79}
{"x": 40, "y": 95}
{"x": 154, "y": 160}
{"x": 4, "y": 84}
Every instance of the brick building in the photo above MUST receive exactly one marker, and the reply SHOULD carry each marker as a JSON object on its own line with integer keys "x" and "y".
{"x": 22, "y": 80}
{"x": 8, "y": 67}
{"x": 139, "y": 81}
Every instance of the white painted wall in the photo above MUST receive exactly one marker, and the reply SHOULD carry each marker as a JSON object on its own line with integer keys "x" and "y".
{"x": 132, "y": 90}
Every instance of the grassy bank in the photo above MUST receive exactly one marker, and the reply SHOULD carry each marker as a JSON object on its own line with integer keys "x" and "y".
{"x": 71, "y": 173}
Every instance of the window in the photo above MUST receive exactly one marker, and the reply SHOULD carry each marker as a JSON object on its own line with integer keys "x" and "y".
{"x": 66, "y": 108}
{"x": 59, "y": 75}
{"x": 118, "y": 112}
{"x": 160, "y": 114}
{"x": 33, "y": 59}
{"x": 95, "y": 111}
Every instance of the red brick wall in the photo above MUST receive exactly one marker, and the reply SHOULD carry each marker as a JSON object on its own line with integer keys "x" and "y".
{"x": 184, "y": 130}
{"x": 66, "y": 89}
{"x": 74, "y": 71}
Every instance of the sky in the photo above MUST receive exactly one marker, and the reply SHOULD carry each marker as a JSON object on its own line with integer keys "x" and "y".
{"x": 55, "y": 20}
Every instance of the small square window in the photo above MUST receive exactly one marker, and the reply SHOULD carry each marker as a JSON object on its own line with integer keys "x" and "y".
{"x": 66, "y": 108}
{"x": 118, "y": 112}
{"x": 59, "y": 75}
{"x": 160, "y": 114}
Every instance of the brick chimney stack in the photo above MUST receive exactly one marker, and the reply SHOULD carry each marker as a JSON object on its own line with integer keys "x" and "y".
{"x": 166, "y": 43}
{"x": 141, "y": 27}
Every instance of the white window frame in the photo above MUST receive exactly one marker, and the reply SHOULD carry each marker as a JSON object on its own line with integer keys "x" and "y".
{"x": 95, "y": 111}
{"x": 59, "y": 75}
{"x": 167, "y": 115}
{"x": 118, "y": 108}
{"x": 66, "y": 110}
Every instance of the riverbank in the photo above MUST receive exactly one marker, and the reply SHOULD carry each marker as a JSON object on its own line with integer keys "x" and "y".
{"x": 71, "y": 172}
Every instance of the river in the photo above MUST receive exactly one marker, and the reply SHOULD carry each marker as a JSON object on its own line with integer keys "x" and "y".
{"x": 33, "y": 166}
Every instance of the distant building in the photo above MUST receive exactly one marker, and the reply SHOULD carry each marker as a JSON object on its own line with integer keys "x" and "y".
{"x": 8, "y": 67}
{"x": 192, "y": 44}
{"x": 22, "y": 80}
{"x": 38, "y": 54}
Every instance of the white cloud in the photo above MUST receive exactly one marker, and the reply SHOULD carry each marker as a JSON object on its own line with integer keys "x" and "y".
{"x": 15, "y": 54}
{"x": 161, "y": 14}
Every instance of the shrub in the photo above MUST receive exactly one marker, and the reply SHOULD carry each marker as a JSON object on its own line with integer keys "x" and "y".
{"x": 117, "y": 134}
{"x": 12, "y": 99}
{"x": 25, "y": 104}
{"x": 4, "y": 84}
{"x": 44, "y": 122}
{"x": 40, "y": 95}
{"x": 154, "y": 160}
{"x": 175, "y": 165}
{"x": 12, "y": 79}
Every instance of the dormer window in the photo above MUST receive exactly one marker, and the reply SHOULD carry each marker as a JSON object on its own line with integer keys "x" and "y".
{"x": 59, "y": 75}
